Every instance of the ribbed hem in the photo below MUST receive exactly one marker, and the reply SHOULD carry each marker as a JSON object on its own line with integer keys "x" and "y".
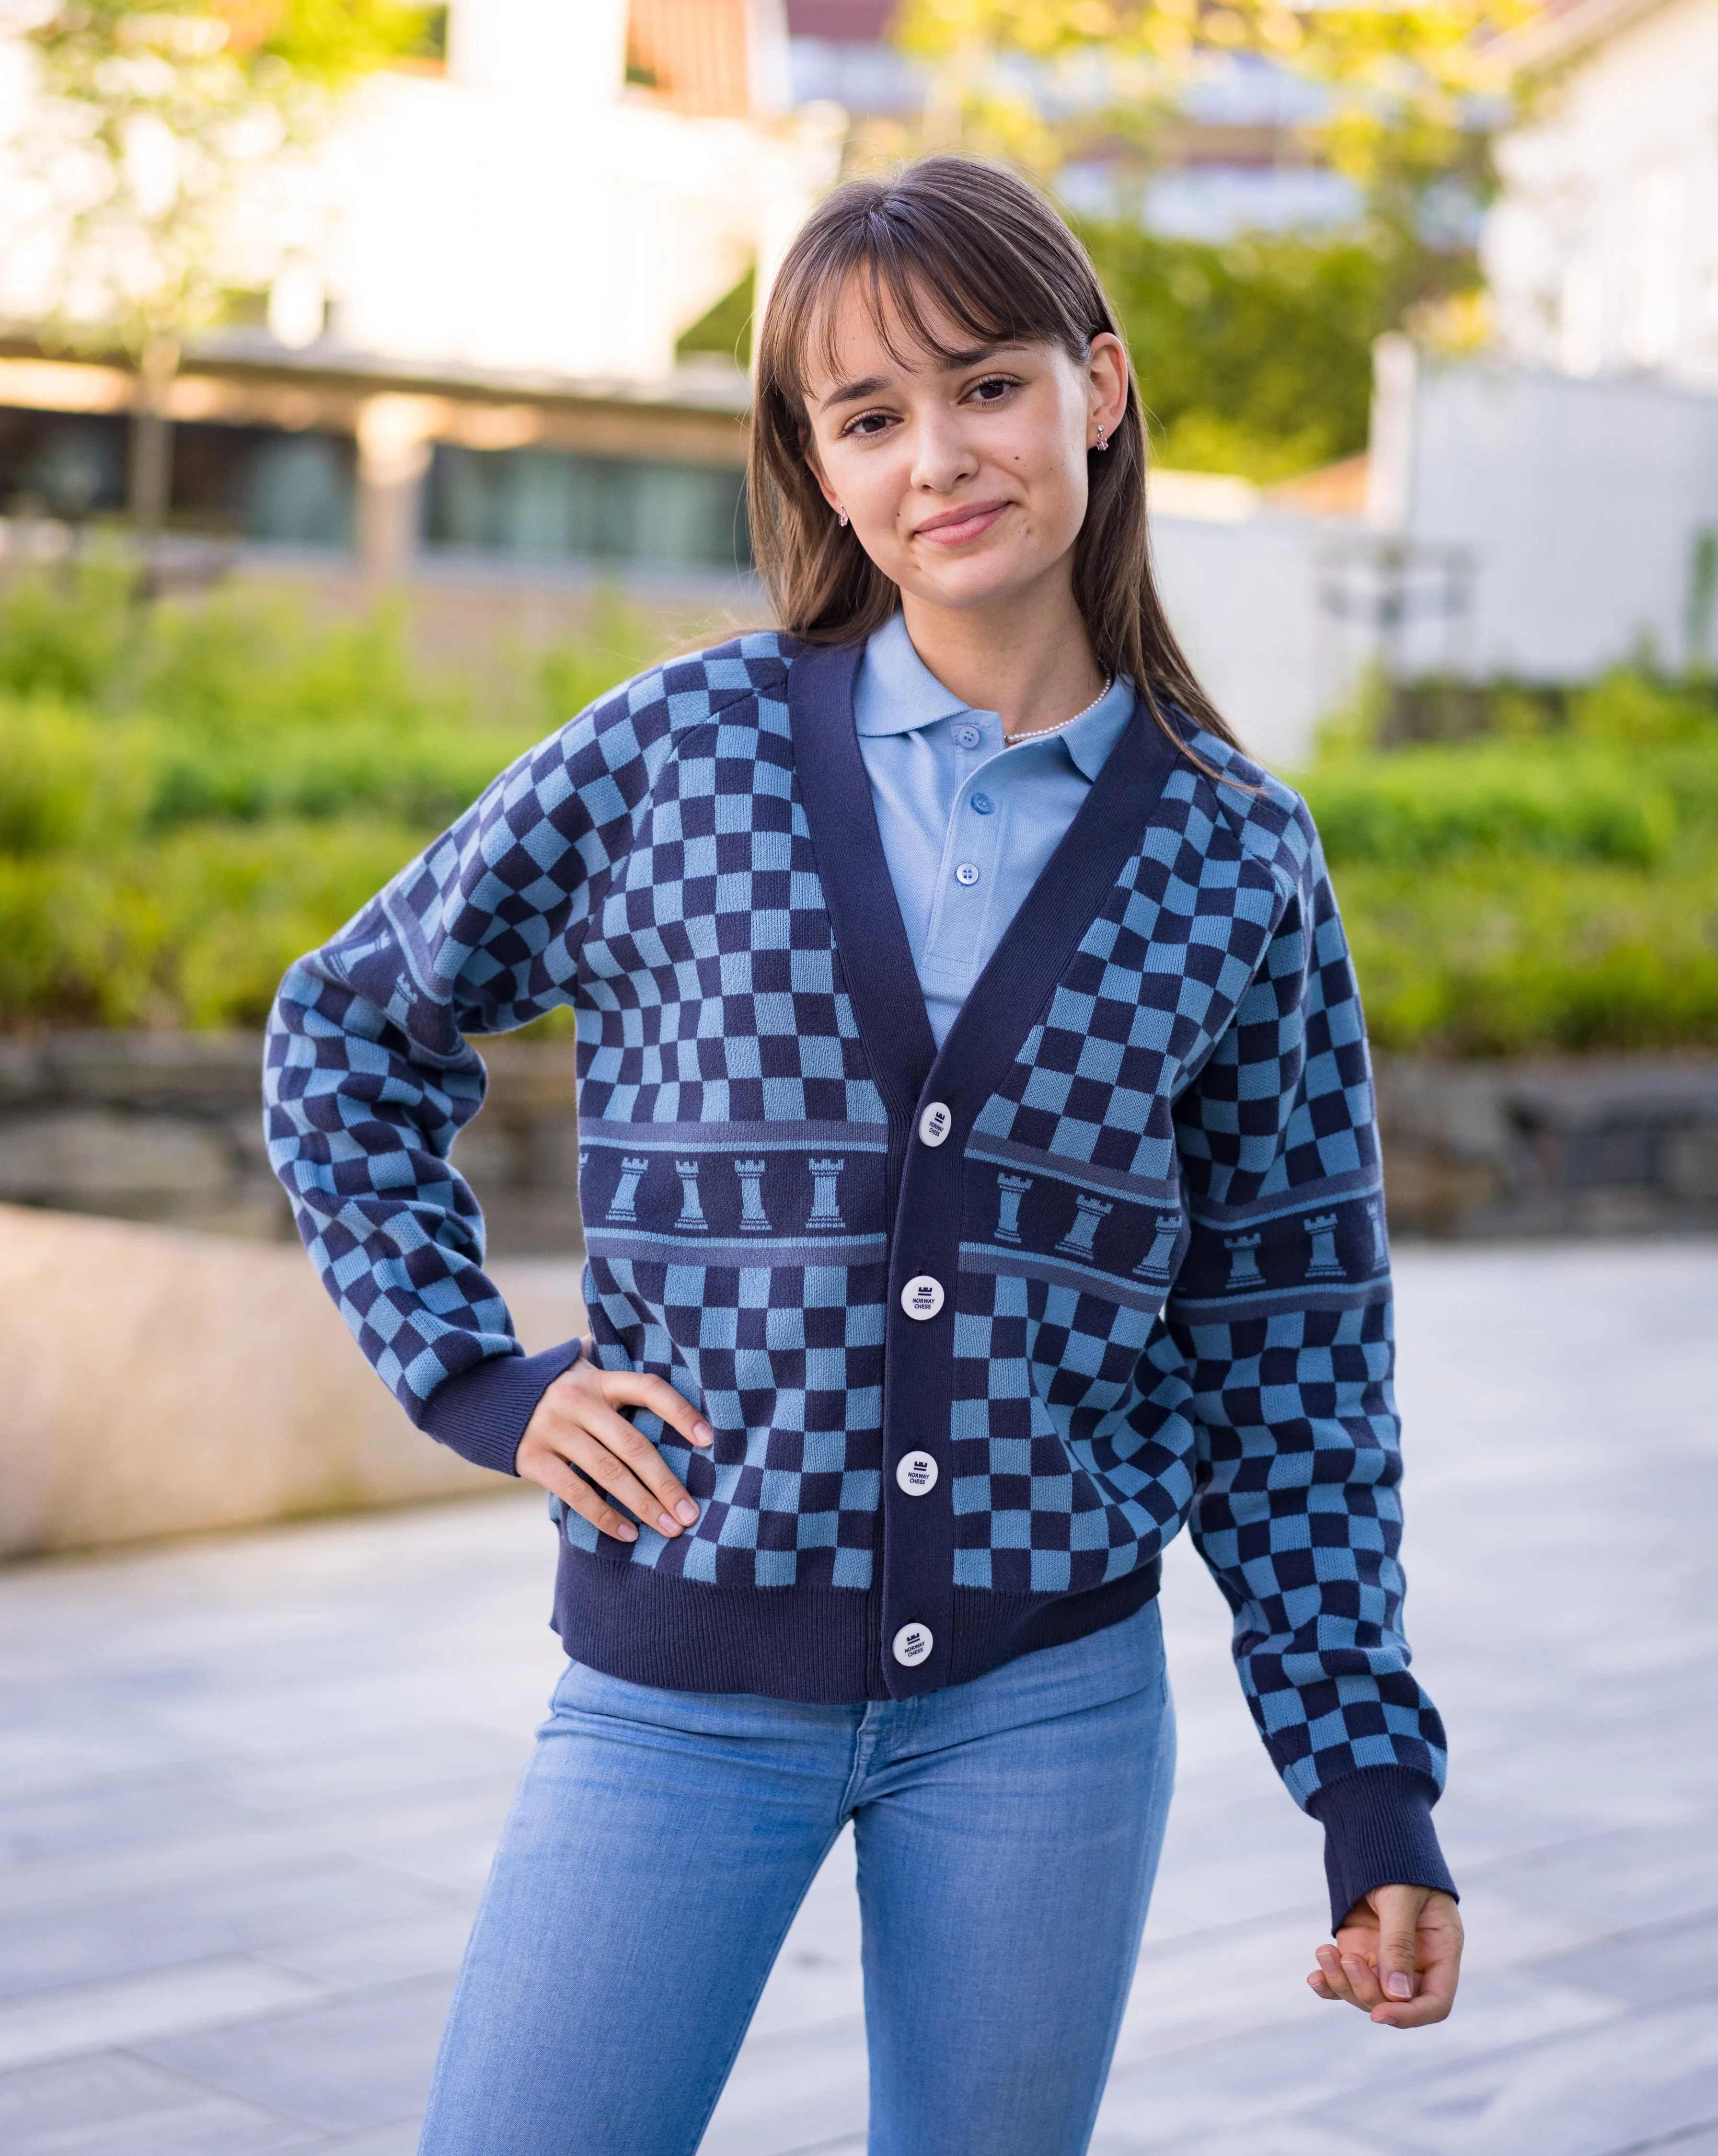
{"x": 482, "y": 1412}
{"x": 1378, "y": 1832}
{"x": 822, "y": 1646}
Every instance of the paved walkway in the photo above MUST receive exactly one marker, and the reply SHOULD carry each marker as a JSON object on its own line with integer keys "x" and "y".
{"x": 248, "y": 1789}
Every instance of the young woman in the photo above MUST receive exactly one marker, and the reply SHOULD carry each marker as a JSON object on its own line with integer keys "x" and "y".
{"x": 981, "y": 1181}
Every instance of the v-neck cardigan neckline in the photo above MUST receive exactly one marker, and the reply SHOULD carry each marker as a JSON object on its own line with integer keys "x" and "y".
{"x": 924, "y": 1181}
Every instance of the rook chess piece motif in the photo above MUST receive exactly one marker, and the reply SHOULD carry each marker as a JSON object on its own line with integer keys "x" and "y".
{"x": 1013, "y": 1189}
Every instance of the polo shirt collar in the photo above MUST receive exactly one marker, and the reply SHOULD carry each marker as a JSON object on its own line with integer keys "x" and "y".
{"x": 898, "y": 693}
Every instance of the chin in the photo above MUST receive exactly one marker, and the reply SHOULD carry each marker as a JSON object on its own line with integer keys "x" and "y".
{"x": 975, "y": 583}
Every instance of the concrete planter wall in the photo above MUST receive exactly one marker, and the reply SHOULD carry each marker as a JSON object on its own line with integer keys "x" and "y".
{"x": 167, "y": 1129}
{"x": 161, "y": 1382}
{"x": 1600, "y": 1145}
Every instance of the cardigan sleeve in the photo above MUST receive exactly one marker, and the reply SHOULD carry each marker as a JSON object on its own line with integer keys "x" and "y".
{"x": 369, "y": 1077}
{"x": 1280, "y": 1327}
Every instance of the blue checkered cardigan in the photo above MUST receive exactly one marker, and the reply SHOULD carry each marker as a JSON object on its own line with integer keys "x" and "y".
{"x": 1159, "y": 1219}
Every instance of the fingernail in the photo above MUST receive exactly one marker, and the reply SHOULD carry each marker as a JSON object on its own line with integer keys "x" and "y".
{"x": 687, "y": 1510}
{"x": 1398, "y": 1984}
{"x": 626, "y": 1532}
{"x": 667, "y": 1523}
{"x": 702, "y": 1434}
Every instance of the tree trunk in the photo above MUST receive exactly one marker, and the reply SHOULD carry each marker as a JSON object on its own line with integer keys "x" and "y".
{"x": 150, "y": 477}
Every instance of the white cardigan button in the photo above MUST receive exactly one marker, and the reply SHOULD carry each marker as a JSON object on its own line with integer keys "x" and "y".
{"x": 917, "y": 1473}
{"x": 912, "y": 1643}
{"x": 935, "y": 1124}
{"x": 922, "y": 1297}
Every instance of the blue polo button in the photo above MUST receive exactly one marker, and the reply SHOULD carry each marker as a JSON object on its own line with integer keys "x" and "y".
{"x": 968, "y": 737}
{"x": 967, "y": 874}
{"x": 983, "y": 805}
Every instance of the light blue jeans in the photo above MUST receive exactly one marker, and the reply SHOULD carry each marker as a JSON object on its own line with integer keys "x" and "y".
{"x": 1008, "y": 1832}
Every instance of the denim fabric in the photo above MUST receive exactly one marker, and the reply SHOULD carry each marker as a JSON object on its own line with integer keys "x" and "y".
{"x": 1008, "y": 1833}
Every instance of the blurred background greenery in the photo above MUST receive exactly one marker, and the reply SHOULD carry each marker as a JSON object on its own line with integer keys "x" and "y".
{"x": 190, "y": 796}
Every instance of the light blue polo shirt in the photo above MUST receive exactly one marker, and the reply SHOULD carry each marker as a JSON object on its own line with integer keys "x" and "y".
{"x": 968, "y": 822}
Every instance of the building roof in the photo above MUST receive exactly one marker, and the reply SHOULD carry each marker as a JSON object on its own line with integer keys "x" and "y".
{"x": 840, "y": 22}
{"x": 1564, "y": 29}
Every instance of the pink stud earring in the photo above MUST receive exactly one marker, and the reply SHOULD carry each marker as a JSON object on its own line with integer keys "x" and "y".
{"x": 1102, "y": 443}
{"x": 841, "y": 518}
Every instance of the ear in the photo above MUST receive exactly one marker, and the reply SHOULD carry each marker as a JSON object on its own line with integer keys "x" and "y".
{"x": 1106, "y": 386}
{"x": 808, "y": 449}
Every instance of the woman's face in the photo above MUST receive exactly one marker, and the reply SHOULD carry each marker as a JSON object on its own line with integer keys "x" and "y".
{"x": 965, "y": 483}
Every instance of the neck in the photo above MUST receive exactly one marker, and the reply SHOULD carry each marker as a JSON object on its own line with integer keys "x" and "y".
{"x": 1027, "y": 658}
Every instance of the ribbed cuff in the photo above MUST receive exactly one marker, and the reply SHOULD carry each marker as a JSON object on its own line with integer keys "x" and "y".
{"x": 482, "y": 1412}
{"x": 1378, "y": 1832}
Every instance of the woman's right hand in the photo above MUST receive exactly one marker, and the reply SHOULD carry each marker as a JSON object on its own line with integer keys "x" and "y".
{"x": 577, "y": 1423}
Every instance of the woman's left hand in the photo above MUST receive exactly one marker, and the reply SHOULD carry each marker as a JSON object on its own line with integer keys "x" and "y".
{"x": 1397, "y": 1956}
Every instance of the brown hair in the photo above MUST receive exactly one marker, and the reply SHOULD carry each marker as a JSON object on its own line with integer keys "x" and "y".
{"x": 994, "y": 260}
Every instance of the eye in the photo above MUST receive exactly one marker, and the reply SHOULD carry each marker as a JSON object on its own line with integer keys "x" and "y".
{"x": 992, "y": 389}
{"x": 867, "y": 425}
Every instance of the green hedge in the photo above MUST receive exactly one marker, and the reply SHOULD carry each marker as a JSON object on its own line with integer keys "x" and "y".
{"x": 191, "y": 797}
{"x": 1543, "y": 891}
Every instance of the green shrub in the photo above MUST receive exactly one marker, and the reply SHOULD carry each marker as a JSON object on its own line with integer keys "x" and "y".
{"x": 1433, "y": 804}
{"x": 1505, "y": 957}
{"x": 191, "y": 796}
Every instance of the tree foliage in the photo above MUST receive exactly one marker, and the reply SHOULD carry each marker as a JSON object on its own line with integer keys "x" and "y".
{"x": 1407, "y": 86}
{"x": 143, "y": 121}
{"x": 1254, "y": 356}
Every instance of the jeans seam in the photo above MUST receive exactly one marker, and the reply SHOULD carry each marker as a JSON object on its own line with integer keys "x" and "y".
{"x": 859, "y": 1766}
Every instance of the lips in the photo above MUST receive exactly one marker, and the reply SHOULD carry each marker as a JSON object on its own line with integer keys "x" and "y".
{"x": 954, "y": 528}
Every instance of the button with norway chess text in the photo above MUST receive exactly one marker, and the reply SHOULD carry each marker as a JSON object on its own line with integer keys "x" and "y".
{"x": 922, "y": 1297}
{"x": 917, "y": 1473}
{"x": 912, "y": 1643}
{"x": 935, "y": 1124}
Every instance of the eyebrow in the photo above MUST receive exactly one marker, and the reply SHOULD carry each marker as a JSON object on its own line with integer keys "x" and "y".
{"x": 855, "y": 393}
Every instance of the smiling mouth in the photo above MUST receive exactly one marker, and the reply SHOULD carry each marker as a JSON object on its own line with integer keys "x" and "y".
{"x": 956, "y": 527}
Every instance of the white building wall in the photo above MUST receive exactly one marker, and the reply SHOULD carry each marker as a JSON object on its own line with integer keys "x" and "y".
{"x": 523, "y": 213}
{"x": 1243, "y": 598}
{"x": 1579, "y": 506}
{"x": 1601, "y": 252}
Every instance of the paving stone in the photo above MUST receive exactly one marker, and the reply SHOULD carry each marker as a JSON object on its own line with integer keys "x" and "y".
{"x": 347, "y": 2068}
{"x": 1330, "y": 2061}
{"x": 1279, "y": 2137}
{"x": 1589, "y": 2094}
{"x": 110, "y": 1938}
{"x": 286, "y": 1755}
{"x": 116, "y": 2105}
{"x": 52, "y": 2025}
{"x": 379, "y": 1954}
{"x": 1645, "y": 1967}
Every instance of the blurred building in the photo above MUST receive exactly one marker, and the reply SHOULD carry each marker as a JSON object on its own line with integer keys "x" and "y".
{"x": 470, "y": 339}
{"x": 1602, "y": 250}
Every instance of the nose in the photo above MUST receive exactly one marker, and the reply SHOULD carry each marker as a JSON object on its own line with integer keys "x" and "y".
{"x": 942, "y": 458}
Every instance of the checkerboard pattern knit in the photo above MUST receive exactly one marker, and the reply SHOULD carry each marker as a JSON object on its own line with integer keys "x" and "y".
{"x": 1171, "y": 1302}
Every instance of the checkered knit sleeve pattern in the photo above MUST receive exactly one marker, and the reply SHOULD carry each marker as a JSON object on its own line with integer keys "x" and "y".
{"x": 1278, "y": 1339}
{"x": 369, "y": 1076}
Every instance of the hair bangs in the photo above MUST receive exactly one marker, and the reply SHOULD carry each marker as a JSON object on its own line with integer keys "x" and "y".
{"x": 926, "y": 294}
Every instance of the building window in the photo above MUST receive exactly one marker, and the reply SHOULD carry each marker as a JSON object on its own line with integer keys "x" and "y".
{"x": 261, "y": 484}
{"x": 548, "y": 506}
{"x": 65, "y": 465}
